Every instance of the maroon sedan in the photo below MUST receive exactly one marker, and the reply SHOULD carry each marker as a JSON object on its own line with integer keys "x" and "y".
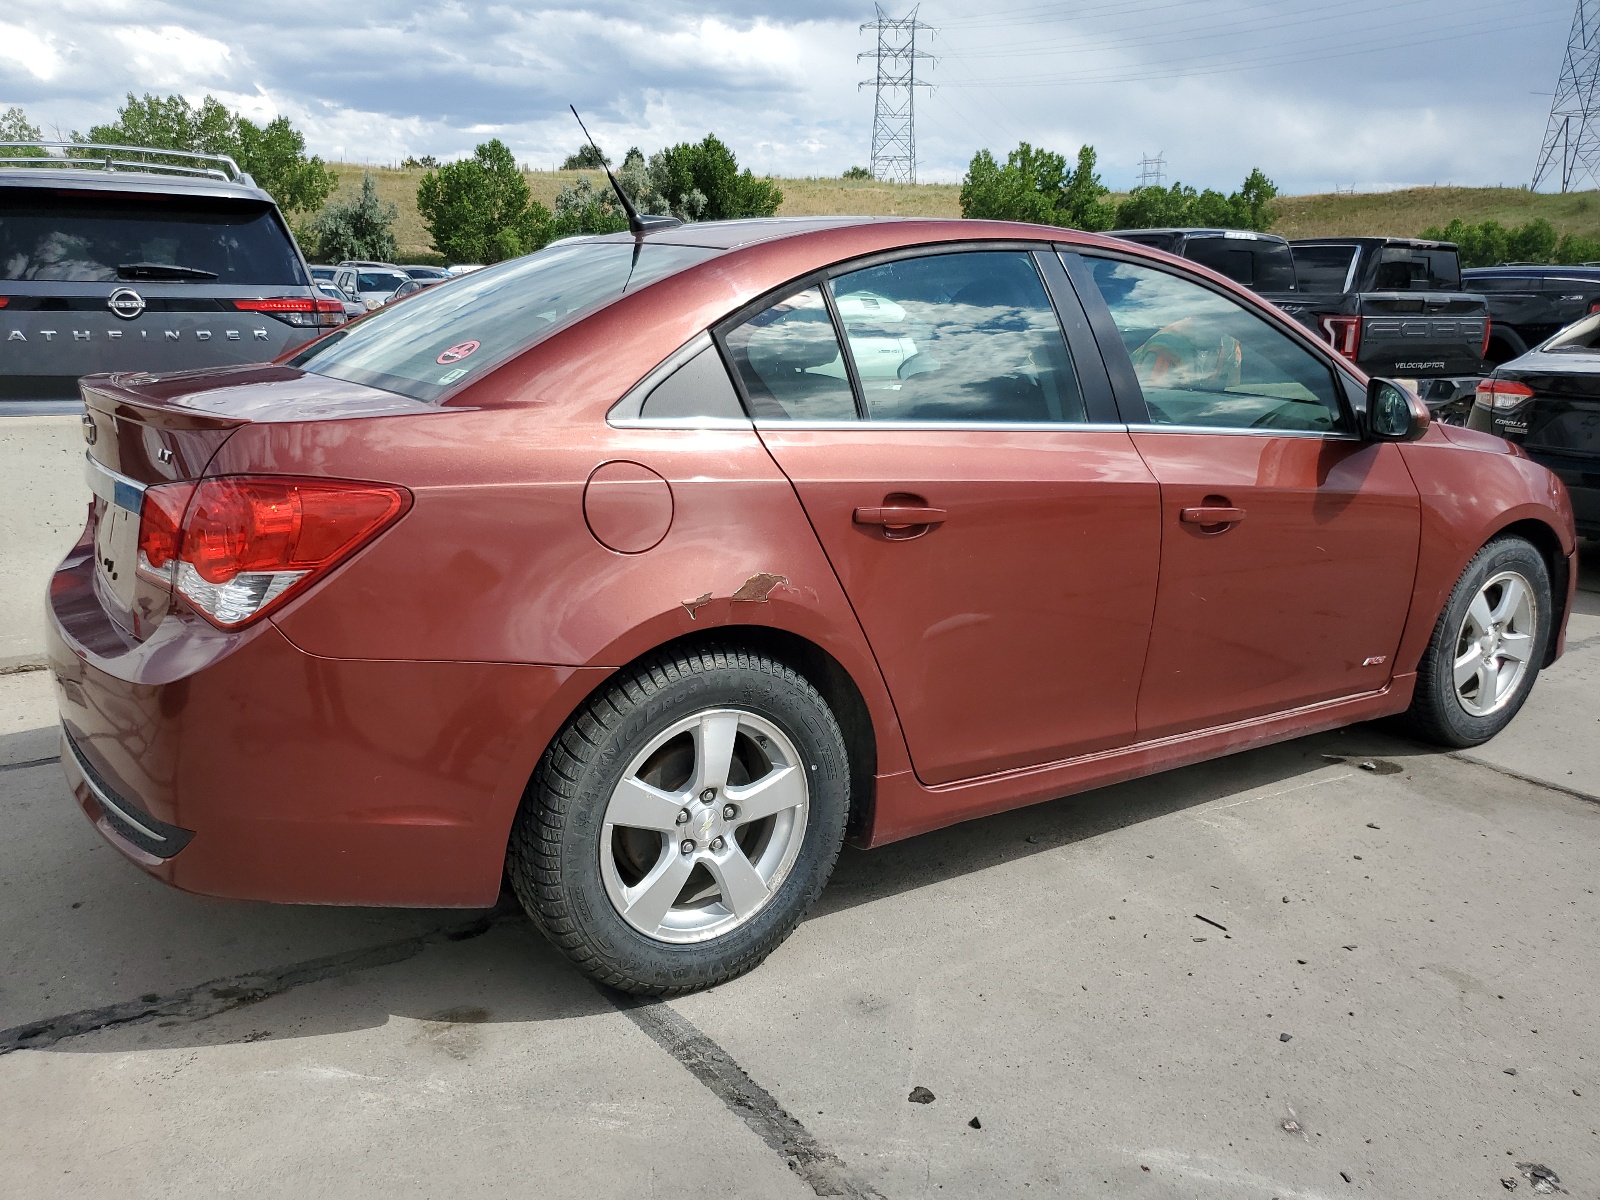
{"x": 644, "y": 571}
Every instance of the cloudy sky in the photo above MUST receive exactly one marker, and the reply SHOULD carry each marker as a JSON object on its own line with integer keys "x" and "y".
{"x": 1370, "y": 93}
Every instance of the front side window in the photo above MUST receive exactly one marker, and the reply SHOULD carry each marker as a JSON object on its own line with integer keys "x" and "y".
{"x": 448, "y": 336}
{"x": 789, "y": 361}
{"x": 958, "y": 337}
{"x": 1203, "y": 359}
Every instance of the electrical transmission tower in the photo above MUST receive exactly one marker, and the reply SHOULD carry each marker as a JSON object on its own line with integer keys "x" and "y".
{"x": 1572, "y": 138}
{"x": 1153, "y": 171}
{"x": 894, "y": 132}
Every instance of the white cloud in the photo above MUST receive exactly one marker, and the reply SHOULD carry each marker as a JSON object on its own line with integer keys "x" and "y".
{"x": 30, "y": 51}
{"x": 170, "y": 56}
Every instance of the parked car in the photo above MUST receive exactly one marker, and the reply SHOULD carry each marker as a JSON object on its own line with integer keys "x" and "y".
{"x": 1547, "y": 401}
{"x": 322, "y": 274}
{"x": 644, "y": 570}
{"x": 464, "y": 268}
{"x": 419, "y": 271}
{"x": 1529, "y": 303}
{"x": 1394, "y": 306}
{"x": 351, "y": 308}
{"x": 124, "y": 264}
{"x": 1261, "y": 262}
{"x": 373, "y": 285}
{"x": 412, "y": 286}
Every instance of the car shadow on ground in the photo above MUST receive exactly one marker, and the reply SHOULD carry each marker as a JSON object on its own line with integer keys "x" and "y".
{"x": 473, "y": 968}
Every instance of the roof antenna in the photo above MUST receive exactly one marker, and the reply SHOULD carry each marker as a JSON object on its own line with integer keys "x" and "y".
{"x": 637, "y": 225}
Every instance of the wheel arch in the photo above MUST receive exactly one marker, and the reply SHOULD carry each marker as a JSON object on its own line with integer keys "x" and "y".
{"x": 1543, "y": 537}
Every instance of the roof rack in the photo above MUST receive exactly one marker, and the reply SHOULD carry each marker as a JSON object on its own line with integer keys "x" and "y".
{"x": 90, "y": 155}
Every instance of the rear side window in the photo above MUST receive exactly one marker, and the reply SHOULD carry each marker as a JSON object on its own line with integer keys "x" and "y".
{"x": 448, "y": 336}
{"x": 1255, "y": 263}
{"x": 1323, "y": 268}
{"x": 79, "y": 239}
{"x": 789, "y": 361}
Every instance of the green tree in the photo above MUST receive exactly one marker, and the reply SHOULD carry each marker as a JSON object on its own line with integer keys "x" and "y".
{"x": 1577, "y": 248}
{"x": 361, "y": 227}
{"x": 857, "y": 173}
{"x": 14, "y": 127}
{"x": 273, "y": 154}
{"x": 701, "y": 181}
{"x": 582, "y": 208}
{"x": 480, "y": 209}
{"x": 1035, "y": 186}
{"x": 586, "y": 159}
{"x": 1180, "y": 206}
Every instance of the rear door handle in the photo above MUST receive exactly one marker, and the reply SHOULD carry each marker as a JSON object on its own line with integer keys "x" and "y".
{"x": 1210, "y": 514}
{"x": 901, "y": 516}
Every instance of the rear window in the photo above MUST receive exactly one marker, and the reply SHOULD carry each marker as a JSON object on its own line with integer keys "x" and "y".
{"x": 1256, "y": 263}
{"x": 1580, "y": 335}
{"x": 446, "y": 337}
{"x": 1404, "y": 269}
{"x": 1323, "y": 268}
{"x": 95, "y": 239}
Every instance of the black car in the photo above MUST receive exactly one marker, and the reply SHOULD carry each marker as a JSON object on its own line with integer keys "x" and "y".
{"x": 1548, "y": 402}
{"x": 1261, "y": 262}
{"x": 1531, "y": 302}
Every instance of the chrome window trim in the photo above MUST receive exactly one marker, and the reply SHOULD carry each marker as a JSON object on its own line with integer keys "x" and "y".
{"x": 1332, "y": 435}
{"x": 112, "y": 487}
{"x": 775, "y": 423}
{"x": 624, "y": 414}
{"x": 105, "y": 799}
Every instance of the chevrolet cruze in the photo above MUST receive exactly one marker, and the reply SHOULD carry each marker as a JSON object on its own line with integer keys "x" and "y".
{"x": 645, "y": 570}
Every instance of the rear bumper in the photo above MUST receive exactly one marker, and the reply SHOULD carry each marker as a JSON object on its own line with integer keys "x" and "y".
{"x": 252, "y": 770}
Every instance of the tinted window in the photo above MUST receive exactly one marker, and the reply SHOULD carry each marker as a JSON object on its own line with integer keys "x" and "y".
{"x": 380, "y": 281}
{"x": 1255, "y": 263}
{"x": 789, "y": 362}
{"x": 1501, "y": 283}
{"x": 1203, "y": 359}
{"x": 92, "y": 240}
{"x": 958, "y": 337}
{"x": 1402, "y": 268}
{"x": 699, "y": 388}
{"x": 1580, "y": 335}
{"x": 446, "y": 337}
{"x": 1322, "y": 268}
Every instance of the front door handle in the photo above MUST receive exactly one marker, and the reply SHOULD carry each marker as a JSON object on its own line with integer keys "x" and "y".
{"x": 1211, "y": 514}
{"x": 901, "y": 516}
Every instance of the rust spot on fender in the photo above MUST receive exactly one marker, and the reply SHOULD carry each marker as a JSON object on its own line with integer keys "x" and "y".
{"x": 700, "y": 601}
{"x": 758, "y": 587}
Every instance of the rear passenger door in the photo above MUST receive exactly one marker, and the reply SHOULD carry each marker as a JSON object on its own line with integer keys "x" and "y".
{"x": 994, "y": 528}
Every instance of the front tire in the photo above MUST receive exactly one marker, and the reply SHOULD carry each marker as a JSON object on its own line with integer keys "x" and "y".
{"x": 1486, "y": 648}
{"x": 683, "y": 821}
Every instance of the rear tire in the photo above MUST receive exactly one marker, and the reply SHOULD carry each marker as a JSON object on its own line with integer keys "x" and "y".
{"x": 1486, "y": 648}
{"x": 683, "y": 821}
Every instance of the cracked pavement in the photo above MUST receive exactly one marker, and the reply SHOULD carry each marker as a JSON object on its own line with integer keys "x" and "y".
{"x": 1420, "y": 933}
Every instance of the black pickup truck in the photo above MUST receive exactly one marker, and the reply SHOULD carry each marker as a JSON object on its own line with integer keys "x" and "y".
{"x": 1393, "y": 306}
{"x": 1529, "y": 303}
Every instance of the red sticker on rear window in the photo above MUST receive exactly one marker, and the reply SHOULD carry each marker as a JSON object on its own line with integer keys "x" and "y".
{"x": 456, "y": 353}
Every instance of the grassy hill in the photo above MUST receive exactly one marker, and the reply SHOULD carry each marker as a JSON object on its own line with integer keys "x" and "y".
{"x": 1400, "y": 214}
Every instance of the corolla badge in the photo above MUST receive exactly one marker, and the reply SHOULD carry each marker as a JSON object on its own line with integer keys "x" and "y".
{"x": 126, "y": 303}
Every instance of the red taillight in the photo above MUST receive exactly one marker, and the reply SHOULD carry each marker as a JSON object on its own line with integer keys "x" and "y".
{"x": 5, "y": 300}
{"x": 1488, "y": 328}
{"x": 161, "y": 524}
{"x": 241, "y": 545}
{"x": 1594, "y": 307}
{"x": 1502, "y": 394}
{"x": 1344, "y": 335}
{"x": 296, "y": 310}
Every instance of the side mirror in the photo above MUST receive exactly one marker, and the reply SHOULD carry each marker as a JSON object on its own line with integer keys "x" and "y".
{"x": 1394, "y": 413}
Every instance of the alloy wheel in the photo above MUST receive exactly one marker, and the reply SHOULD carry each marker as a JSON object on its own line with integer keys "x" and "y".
{"x": 1494, "y": 647}
{"x": 704, "y": 826}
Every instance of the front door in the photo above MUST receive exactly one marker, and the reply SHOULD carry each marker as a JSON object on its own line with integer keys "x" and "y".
{"x": 1289, "y": 546}
{"x": 999, "y": 549}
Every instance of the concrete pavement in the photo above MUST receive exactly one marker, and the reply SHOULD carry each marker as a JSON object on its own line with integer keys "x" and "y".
{"x": 1420, "y": 930}
{"x": 45, "y": 504}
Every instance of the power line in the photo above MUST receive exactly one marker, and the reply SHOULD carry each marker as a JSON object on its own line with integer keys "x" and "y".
{"x": 894, "y": 132}
{"x": 1153, "y": 171}
{"x": 1571, "y": 143}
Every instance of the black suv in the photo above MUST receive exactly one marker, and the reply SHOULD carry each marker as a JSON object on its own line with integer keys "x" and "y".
{"x": 1529, "y": 303}
{"x": 1261, "y": 262}
{"x": 140, "y": 260}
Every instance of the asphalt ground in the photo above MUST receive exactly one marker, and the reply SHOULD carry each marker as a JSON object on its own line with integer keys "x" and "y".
{"x": 1345, "y": 964}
